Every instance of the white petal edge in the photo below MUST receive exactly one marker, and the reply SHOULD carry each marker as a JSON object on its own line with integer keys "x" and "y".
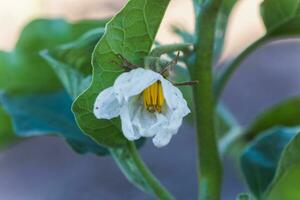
{"x": 128, "y": 129}
{"x": 148, "y": 124}
{"x": 107, "y": 105}
{"x": 134, "y": 82}
{"x": 161, "y": 139}
{"x": 172, "y": 94}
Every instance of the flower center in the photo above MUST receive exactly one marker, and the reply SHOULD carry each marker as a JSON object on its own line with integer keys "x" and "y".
{"x": 153, "y": 97}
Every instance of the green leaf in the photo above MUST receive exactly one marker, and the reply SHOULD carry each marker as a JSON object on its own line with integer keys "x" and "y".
{"x": 48, "y": 33}
{"x": 25, "y": 74}
{"x": 285, "y": 113}
{"x": 7, "y": 135}
{"x": 184, "y": 34}
{"x": 72, "y": 62}
{"x": 281, "y": 18}
{"x": 130, "y": 33}
{"x": 285, "y": 184}
{"x": 23, "y": 70}
{"x": 48, "y": 114}
{"x": 261, "y": 157}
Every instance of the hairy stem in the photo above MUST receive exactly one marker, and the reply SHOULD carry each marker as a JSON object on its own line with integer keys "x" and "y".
{"x": 187, "y": 83}
{"x": 157, "y": 189}
{"x": 209, "y": 164}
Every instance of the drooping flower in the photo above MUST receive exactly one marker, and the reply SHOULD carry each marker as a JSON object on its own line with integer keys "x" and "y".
{"x": 147, "y": 103}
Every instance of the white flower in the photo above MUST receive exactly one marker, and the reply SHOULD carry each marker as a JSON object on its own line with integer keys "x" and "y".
{"x": 148, "y": 104}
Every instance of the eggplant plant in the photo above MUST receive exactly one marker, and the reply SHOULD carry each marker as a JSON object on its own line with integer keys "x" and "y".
{"x": 106, "y": 87}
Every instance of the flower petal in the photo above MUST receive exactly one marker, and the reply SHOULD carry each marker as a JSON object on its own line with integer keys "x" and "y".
{"x": 106, "y": 105}
{"x": 124, "y": 99}
{"x": 129, "y": 131}
{"x": 148, "y": 124}
{"x": 134, "y": 82}
{"x": 161, "y": 139}
{"x": 174, "y": 98}
{"x": 172, "y": 94}
{"x": 177, "y": 106}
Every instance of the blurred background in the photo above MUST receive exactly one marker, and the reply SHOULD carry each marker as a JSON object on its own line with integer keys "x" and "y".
{"x": 44, "y": 168}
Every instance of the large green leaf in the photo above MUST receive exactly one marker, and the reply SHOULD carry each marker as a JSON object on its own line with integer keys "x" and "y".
{"x": 22, "y": 70}
{"x": 281, "y": 18}
{"x": 7, "y": 135}
{"x": 130, "y": 33}
{"x": 260, "y": 159}
{"x": 285, "y": 184}
{"x": 72, "y": 64}
{"x": 285, "y": 113}
{"x": 48, "y": 114}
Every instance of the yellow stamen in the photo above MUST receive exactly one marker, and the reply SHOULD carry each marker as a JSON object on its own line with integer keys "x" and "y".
{"x": 153, "y": 97}
{"x": 153, "y": 89}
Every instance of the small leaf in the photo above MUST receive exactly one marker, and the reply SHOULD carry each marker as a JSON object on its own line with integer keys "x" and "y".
{"x": 260, "y": 159}
{"x": 7, "y": 135}
{"x": 130, "y": 33}
{"x": 285, "y": 184}
{"x": 48, "y": 114}
{"x": 23, "y": 70}
{"x": 281, "y": 17}
{"x": 184, "y": 34}
{"x": 285, "y": 113}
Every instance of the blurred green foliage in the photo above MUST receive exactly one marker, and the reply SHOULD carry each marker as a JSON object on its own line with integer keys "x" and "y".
{"x": 55, "y": 62}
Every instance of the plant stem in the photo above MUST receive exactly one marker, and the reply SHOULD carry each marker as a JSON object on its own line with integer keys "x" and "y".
{"x": 158, "y": 190}
{"x": 187, "y": 83}
{"x": 209, "y": 164}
